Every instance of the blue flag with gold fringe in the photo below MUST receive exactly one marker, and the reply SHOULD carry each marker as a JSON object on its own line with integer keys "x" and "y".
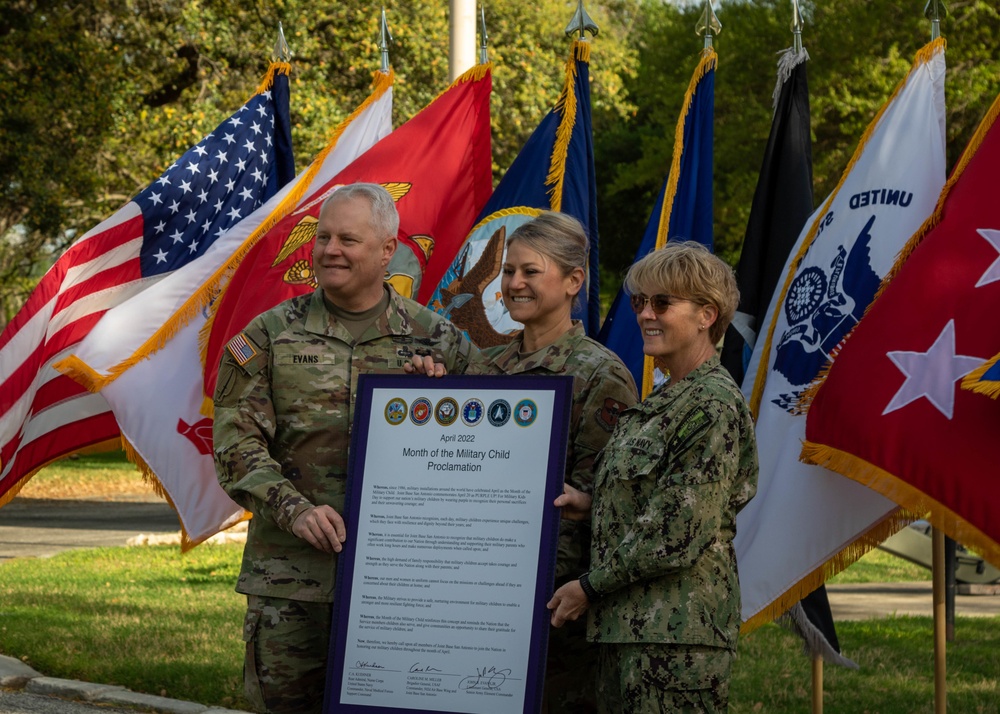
{"x": 683, "y": 210}
{"x": 553, "y": 172}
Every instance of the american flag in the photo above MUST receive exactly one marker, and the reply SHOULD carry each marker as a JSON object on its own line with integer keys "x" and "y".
{"x": 222, "y": 179}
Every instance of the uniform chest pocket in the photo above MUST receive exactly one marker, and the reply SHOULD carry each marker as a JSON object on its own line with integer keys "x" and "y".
{"x": 633, "y": 460}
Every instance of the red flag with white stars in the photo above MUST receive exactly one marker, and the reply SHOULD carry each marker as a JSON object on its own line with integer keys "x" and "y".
{"x": 892, "y": 412}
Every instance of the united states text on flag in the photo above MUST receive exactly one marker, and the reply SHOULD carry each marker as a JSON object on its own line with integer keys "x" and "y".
{"x": 891, "y": 413}
{"x": 805, "y": 521}
{"x": 45, "y": 415}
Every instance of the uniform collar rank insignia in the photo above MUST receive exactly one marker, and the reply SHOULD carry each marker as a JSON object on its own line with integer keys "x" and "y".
{"x": 241, "y": 349}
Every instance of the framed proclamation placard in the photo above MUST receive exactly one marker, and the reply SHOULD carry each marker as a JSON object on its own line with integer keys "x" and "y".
{"x": 451, "y": 544}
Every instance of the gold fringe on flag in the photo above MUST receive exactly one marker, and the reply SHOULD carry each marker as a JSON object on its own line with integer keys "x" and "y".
{"x": 709, "y": 60}
{"x": 924, "y": 55}
{"x": 566, "y": 105}
{"x": 891, "y": 524}
{"x": 474, "y": 74}
{"x": 972, "y": 382}
{"x": 150, "y": 478}
{"x": 915, "y": 502}
{"x": 214, "y": 286}
{"x": 273, "y": 71}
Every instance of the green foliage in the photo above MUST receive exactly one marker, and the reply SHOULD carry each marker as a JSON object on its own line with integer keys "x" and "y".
{"x": 97, "y": 99}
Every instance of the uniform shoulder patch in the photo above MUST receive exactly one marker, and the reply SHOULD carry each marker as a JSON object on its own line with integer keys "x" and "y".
{"x": 241, "y": 349}
{"x": 607, "y": 415}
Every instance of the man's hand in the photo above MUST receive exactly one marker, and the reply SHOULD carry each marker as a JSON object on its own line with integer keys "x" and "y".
{"x": 568, "y": 603}
{"x": 425, "y": 364}
{"x": 575, "y": 504}
{"x": 322, "y": 528}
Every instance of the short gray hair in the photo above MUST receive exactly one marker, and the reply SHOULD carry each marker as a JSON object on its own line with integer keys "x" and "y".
{"x": 385, "y": 217}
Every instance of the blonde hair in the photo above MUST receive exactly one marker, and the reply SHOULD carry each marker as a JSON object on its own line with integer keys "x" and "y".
{"x": 688, "y": 270}
{"x": 559, "y": 237}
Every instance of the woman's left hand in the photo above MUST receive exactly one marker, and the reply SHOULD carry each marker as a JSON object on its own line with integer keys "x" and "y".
{"x": 568, "y": 603}
{"x": 575, "y": 504}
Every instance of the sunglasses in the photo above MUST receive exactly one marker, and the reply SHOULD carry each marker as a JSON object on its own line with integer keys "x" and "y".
{"x": 659, "y": 303}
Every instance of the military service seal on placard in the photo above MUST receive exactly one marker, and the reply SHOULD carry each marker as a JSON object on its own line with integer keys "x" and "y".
{"x": 472, "y": 412}
{"x": 499, "y": 412}
{"x": 420, "y": 411}
{"x": 395, "y": 411}
{"x": 525, "y": 412}
{"x": 446, "y": 411}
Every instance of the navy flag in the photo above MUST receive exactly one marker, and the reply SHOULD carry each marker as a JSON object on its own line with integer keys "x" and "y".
{"x": 683, "y": 210}
{"x": 553, "y": 172}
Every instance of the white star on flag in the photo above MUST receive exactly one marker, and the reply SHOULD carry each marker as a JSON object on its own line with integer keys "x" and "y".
{"x": 932, "y": 374}
{"x": 992, "y": 273}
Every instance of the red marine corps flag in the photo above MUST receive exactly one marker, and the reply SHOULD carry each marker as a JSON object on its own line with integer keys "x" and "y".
{"x": 438, "y": 168}
{"x": 891, "y": 412}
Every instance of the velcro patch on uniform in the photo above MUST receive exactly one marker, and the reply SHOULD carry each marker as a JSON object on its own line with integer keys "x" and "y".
{"x": 241, "y": 349}
{"x": 607, "y": 415}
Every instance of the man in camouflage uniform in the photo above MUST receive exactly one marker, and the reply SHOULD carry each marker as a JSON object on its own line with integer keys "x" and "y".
{"x": 602, "y": 388}
{"x": 284, "y": 403}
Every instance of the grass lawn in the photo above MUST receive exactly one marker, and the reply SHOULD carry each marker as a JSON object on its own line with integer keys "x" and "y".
{"x": 106, "y": 475}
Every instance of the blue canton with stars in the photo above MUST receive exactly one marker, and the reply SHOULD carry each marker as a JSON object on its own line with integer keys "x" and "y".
{"x": 217, "y": 183}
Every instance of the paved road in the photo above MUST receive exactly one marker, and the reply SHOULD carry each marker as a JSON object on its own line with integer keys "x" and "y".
{"x": 31, "y": 527}
{"x": 867, "y": 600}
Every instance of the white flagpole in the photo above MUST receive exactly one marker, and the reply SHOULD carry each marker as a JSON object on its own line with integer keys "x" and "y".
{"x": 462, "y": 30}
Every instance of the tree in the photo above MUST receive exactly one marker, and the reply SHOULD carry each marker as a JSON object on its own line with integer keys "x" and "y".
{"x": 124, "y": 86}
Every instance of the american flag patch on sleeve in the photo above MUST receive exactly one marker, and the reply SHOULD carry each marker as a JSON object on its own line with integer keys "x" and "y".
{"x": 241, "y": 349}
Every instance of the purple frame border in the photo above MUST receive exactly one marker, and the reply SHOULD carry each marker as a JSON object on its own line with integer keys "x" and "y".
{"x": 562, "y": 387}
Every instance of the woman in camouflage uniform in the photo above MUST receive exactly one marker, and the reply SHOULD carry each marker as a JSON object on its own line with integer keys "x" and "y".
{"x": 543, "y": 272}
{"x": 662, "y": 588}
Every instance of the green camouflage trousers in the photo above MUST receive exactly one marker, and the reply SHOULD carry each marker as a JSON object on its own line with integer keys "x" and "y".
{"x": 570, "y": 671}
{"x": 650, "y": 679}
{"x": 286, "y": 650}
